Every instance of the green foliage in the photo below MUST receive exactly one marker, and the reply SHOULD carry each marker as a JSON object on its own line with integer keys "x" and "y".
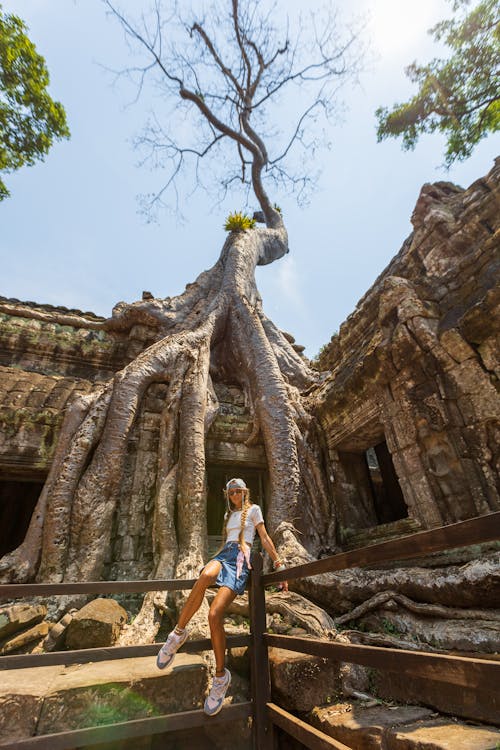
{"x": 238, "y": 221}
{"x": 29, "y": 118}
{"x": 389, "y": 627}
{"x": 458, "y": 96}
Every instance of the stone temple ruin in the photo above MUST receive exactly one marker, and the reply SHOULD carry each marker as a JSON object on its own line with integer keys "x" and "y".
{"x": 409, "y": 408}
{"x": 408, "y": 404}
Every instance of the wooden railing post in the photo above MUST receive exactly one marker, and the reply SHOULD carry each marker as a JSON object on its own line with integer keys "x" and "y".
{"x": 260, "y": 678}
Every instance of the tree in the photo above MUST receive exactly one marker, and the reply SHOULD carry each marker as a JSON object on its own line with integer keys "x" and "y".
{"x": 458, "y": 96}
{"x": 215, "y": 330}
{"x": 227, "y": 76}
{"x": 30, "y": 119}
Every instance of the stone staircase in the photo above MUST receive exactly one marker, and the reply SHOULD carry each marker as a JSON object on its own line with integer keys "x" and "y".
{"x": 399, "y": 727}
{"x": 311, "y": 687}
{"x": 42, "y": 700}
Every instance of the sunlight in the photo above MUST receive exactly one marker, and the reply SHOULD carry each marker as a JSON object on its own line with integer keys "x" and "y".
{"x": 398, "y": 26}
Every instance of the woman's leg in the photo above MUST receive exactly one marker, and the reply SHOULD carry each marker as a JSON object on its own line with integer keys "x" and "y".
{"x": 207, "y": 578}
{"x": 221, "y": 602}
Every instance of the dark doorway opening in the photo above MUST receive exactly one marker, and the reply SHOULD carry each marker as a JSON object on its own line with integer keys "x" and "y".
{"x": 388, "y": 498}
{"x": 17, "y": 503}
{"x": 218, "y": 476}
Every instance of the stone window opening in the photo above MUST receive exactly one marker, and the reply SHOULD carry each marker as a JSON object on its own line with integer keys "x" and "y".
{"x": 17, "y": 503}
{"x": 369, "y": 493}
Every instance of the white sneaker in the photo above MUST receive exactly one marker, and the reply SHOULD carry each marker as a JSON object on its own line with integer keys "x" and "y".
{"x": 215, "y": 698}
{"x": 170, "y": 647}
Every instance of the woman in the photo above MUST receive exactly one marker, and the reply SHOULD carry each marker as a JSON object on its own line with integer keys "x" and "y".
{"x": 229, "y": 571}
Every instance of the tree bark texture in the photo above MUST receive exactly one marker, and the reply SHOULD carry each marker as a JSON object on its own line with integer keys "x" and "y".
{"x": 215, "y": 330}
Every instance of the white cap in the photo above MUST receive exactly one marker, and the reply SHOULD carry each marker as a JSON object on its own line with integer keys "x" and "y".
{"x": 237, "y": 483}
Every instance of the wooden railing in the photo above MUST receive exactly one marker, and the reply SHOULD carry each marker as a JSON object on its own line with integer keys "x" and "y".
{"x": 455, "y": 670}
{"x": 119, "y": 731}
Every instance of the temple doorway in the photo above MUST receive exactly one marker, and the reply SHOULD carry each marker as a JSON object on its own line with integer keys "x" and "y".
{"x": 17, "y": 503}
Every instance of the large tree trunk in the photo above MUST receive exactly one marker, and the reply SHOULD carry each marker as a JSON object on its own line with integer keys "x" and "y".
{"x": 215, "y": 329}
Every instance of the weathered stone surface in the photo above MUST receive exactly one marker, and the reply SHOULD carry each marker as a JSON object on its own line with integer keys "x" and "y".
{"x": 96, "y": 624}
{"x": 443, "y": 735}
{"x": 36, "y": 633}
{"x": 19, "y": 616}
{"x": 414, "y": 366}
{"x": 364, "y": 728}
{"x": 21, "y": 700}
{"x": 238, "y": 660}
{"x": 57, "y": 634}
{"x": 477, "y": 704}
{"x": 121, "y": 690}
{"x": 53, "y": 699}
{"x": 31, "y": 410}
{"x": 45, "y": 345}
{"x": 300, "y": 681}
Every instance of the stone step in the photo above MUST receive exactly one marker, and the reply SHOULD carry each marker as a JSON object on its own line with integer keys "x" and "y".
{"x": 384, "y": 727}
{"x": 42, "y": 700}
{"x": 480, "y": 705}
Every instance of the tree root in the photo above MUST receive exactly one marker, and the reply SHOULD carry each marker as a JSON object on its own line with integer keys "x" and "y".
{"x": 294, "y": 609}
{"x": 145, "y": 625}
{"x": 430, "y": 610}
{"x": 383, "y": 639}
{"x": 473, "y": 585}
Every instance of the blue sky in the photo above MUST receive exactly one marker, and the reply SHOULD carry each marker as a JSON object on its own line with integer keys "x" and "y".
{"x": 71, "y": 234}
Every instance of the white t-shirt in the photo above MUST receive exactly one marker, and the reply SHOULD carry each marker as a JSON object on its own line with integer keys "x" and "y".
{"x": 254, "y": 517}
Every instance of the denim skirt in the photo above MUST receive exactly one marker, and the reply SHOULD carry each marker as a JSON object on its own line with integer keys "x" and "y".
{"x": 228, "y": 573}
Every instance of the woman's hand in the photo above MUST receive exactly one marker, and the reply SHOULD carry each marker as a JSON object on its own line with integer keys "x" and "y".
{"x": 268, "y": 545}
{"x": 278, "y": 567}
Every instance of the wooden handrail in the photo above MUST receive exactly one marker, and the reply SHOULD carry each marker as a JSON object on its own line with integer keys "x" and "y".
{"x": 457, "y": 670}
{"x": 308, "y": 735}
{"x": 86, "y": 655}
{"x": 127, "y": 729}
{"x": 19, "y": 590}
{"x": 259, "y": 660}
{"x": 473, "y": 531}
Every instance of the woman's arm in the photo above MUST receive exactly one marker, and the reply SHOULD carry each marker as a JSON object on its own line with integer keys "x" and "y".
{"x": 268, "y": 545}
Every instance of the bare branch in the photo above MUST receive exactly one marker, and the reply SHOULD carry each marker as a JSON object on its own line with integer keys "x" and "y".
{"x": 304, "y": 116}
{"x": 209, "y": 44}
{"x": 233, "y": 65}
{"x": 142, "y": 40}
{"x": 214, "y": 120}
{"x": 241, "y": 46}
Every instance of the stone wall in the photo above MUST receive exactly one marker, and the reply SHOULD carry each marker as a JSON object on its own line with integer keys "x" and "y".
{"x": 43, "y": 365}
{"x": 415, "y": 367}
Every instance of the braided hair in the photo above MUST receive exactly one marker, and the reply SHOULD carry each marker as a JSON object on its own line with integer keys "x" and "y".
{"x": 245, "y": 507}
